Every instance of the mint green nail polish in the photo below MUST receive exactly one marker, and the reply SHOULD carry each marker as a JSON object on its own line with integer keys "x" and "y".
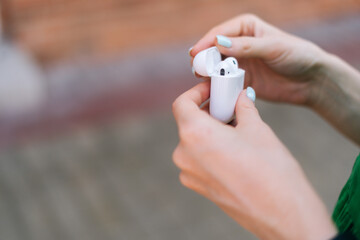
{"x": 250, "y": 93}
{"x": 223, "y": 41}
{"x": 193, "y": 71}
{"x": 189, "y": 52}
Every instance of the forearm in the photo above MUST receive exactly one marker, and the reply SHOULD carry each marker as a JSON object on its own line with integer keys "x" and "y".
{"x": 336, "y": 96}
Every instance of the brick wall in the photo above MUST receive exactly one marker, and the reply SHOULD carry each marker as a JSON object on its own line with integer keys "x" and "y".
{"x": 59, "y": 29}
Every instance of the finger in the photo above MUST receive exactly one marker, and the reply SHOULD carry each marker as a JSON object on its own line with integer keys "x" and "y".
{"x": 181, "y": 160}
{"x": 233, "y": 122}
{"x": 243, "y": 25}
{"x": 195, "y": 73}
{"x": 192, "y": 182}
{"x": 187, "y": 105}
{"x": 205, "y": 106}
{"x": 201, "y": 77}
{"x": 251, "y": 47}
{"x": 245, "y": 110}
{"x": 186, "y": 163}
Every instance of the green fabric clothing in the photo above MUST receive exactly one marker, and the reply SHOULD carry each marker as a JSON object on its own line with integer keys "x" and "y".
{"x": 347, "y": 210}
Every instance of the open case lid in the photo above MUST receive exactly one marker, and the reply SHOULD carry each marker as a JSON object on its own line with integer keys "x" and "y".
{"x": 205, "y": 61}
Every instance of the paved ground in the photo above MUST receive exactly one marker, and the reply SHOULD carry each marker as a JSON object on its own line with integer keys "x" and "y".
{"x": 117, "y": 181}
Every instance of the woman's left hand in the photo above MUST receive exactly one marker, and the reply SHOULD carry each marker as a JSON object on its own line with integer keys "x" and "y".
{"x": 246, "y": 171}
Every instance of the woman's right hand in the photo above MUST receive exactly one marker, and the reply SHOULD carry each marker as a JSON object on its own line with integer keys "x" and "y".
{"x": 279, "y": 66}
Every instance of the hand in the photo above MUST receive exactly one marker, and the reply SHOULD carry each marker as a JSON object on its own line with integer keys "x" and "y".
{"x": 279, "y": 66}
{"x": 246, "y": 171}
{"x": 282, "y": 67}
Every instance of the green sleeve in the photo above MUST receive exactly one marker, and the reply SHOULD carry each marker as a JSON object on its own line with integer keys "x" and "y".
{"x": 347, "y": 210}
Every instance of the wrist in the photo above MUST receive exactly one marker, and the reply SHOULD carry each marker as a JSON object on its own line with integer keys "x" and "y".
{"x": 314, "y": 221}
{"x": 334, "y": 94}
{"x": 331, "y": 78}
{"x": 320, "y": 79}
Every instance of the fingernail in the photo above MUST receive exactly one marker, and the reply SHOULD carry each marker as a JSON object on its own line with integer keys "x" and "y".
{"x": 189, "y": 52}
{"x": 223, "y": 41}
{"x": 250, "y": 93}
{"x": 193, "y": 71}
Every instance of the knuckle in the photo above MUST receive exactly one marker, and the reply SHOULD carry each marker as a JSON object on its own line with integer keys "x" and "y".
{"x": 249, "y": 107}
{"x": 245, "y": 45}
{"x": 177, "y": 159}
{"x": 249, "y": 16}
{"x": 176, "y": 105}
{"x": 277, "y": 42}
{"x": 216, "y": 29}
{"x": 279, "y": 49}
{"x": 175, "y": 155}
{"x": 194, "y": 133}
{"x": 185, "y": 180}
{"x": 187, "y": 134}
{"x": 251, "y": 111}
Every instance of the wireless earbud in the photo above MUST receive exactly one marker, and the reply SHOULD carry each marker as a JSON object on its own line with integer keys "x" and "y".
{"x": 232, "y": 61}
{"x": 227, "y": 67}
{"x": 227, "y": 81}
{"x": 224, "y": 69}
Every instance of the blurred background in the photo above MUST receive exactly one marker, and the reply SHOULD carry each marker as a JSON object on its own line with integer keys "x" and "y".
{"x": 86, "y": 130}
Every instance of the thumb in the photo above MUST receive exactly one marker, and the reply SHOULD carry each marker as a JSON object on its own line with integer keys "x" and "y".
{"x": 246, "y": 47}
{"x": 245, "y": 109}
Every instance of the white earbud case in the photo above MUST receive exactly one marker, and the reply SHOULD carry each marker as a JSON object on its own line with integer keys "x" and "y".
{"x": 226, "y": 82}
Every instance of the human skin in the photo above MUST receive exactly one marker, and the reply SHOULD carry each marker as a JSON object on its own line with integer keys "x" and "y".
{"x": 245, "y": 169}
{"x": 284, "y": 68}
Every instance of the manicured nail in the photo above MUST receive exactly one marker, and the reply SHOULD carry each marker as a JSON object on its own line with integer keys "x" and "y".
{"x": 189, "y": 52}
{"x": 250, "y": 93}
{"x": 193, "y": 71}
{"x": 223, "y": 41}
